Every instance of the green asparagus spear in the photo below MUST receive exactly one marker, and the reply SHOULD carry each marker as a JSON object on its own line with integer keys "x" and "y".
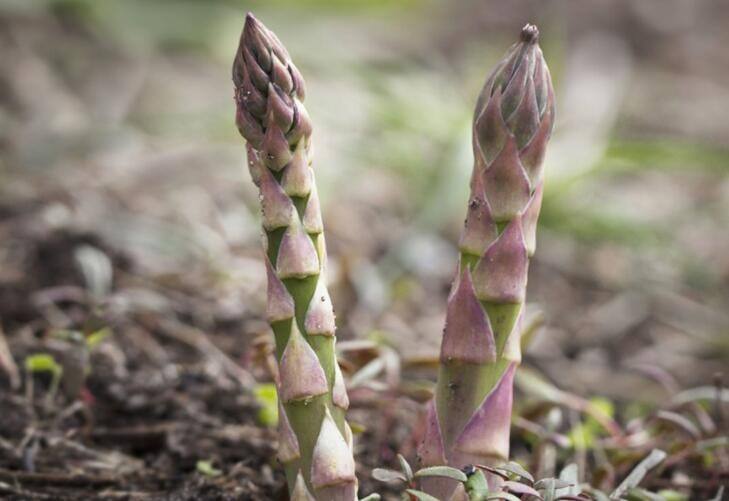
{"x": 315, "y": 442}
{"x": 470, "y": 419}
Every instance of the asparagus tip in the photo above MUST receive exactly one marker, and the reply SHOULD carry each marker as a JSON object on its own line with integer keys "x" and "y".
{"x": 252, "y": 25}
{"x": 529, "y": 33}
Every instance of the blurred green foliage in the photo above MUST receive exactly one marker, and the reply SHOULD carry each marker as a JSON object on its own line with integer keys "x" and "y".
{"x": 267, "y": 398}
{"x": 207, "y": 469}
{"x": 584, "y": 434}
{"x": 43, "y": 362}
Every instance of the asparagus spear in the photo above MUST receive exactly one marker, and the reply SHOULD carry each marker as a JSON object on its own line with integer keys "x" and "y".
{"x": 470, "y": 420}
{"x": 315, "y": 442}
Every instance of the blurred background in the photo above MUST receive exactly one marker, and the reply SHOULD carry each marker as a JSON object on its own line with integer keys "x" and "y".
{"x": 127, "y": 212}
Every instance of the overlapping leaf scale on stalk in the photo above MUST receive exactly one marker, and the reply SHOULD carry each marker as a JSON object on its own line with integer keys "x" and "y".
{"x": 315, "y": 443}
{"x": 480, "y": 351}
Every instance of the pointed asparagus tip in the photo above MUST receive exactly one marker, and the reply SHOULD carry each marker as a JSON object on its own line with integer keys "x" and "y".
{"x": 252, "y": 21}
{"x": 252, "y": 28}
{"x": 255, "y": 34}
{"x": 529, "y": 33}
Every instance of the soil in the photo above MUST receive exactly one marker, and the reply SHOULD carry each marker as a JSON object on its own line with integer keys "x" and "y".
{"x": 154, "y": 402}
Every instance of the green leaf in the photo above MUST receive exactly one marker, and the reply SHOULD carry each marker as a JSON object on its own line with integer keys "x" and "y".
{"x": 265, "y": 395}
{"x": 551, "y": 482}
{"x": 420, "y": 495}
{"x": 387, "y": 475}
{"x": 406, "y": 469}
{"x": 553, "y": 488}
{"x": 520, "y": 489}
{"x": 372, "y": 497}
{"x": 516, "y": 469}
{"x": 357, "y": 428}
{"x": 42, "y": 362}
{"x": 477, "y": 487}
{"x": 95, "y": 338}
{"x": 442, "y": 471}
{"x": 569, "y": 474}
{"x": 639, "y": 472}
{"x": 503, "y": 495}
{"x": 671, "y": 495}
{"x": 206, "y": 468}
{"x": 549, "y": 487}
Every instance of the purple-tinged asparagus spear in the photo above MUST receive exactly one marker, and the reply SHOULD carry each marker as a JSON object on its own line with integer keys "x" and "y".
{"x": 470, "y": 421}
{"x": 315, "y": 442}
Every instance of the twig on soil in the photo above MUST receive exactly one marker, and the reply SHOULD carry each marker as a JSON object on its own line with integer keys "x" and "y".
{"x": 113, "y": 460}
{"x": 197, "y": 339}
{"x": 9, "y": 489}
{"x": 718, "y": 408}
{"x": 130, "y": 495}
{"x": 57, "y": 479}
{"x": 150, "y": 437}
{"x": 7, "y": 364}
{"x": 28, "y": 447}
{"x": 70, "y": 411}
